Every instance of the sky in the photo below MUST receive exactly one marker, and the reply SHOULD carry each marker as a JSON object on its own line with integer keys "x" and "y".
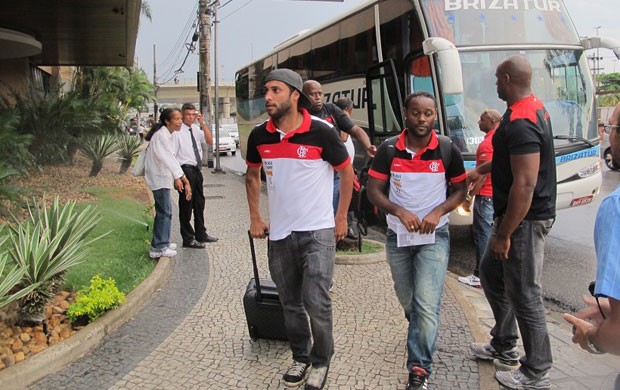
{"x": 249, "y": 29}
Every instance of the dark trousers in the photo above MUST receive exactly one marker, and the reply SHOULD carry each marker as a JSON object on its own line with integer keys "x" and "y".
{"x": 514, "y": 291}
{"x": 196, "y": 205}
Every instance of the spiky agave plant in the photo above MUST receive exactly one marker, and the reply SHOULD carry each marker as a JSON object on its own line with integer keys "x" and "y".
{"x": 9, "y": 280}
{"x": 129, "y": 147}
{"x": 46, "y": 245}
{"x": 97, "y": 149}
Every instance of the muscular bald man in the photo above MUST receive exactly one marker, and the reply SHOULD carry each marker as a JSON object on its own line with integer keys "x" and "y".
{"x": 524, "y": 194}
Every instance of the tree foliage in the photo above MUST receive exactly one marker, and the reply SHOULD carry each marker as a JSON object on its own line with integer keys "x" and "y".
{"x": 609, "y": 89}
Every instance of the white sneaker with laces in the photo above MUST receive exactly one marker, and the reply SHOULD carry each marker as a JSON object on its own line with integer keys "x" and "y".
{"x": 470, "y": 280}
{"x": 517, "y": 380}
{"x": 165, "y": 253}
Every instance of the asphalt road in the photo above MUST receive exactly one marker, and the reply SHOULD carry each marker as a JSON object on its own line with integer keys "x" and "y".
{"x": 570, "y": 262}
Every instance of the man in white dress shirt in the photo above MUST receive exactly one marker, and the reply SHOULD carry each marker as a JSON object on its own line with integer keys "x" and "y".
{"x": 188, "y": 151}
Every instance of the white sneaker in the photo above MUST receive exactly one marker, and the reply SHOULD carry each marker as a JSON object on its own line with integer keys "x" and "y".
{"x": 172, "y": 246}
{"x": 165, "y": 253}
{"x": 470, "y": 280}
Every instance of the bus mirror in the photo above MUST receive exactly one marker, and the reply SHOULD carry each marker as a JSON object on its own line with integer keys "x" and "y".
{"x": 449, "y": 64}
{"x": 602, "y": 43}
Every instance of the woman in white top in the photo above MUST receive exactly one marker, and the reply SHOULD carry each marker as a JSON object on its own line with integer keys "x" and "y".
{"x": 161, "y": 170}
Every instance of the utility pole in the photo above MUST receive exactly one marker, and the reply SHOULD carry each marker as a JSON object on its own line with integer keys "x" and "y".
{"x": 204, "y": 18}
{"x": 217, "y": 169}
{"x": 205, "y": 59}
{"x": 155, "y": 87}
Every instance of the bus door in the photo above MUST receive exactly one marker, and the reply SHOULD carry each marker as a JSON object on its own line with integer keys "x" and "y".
{"x": 385, "y": 107}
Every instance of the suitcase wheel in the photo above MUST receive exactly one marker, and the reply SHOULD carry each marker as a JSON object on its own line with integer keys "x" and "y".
{"x": 253, "y": 333}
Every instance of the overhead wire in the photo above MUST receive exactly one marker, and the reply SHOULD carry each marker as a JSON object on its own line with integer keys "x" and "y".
{"x": 236, "y": 10}
{"x": 173, "y": 59}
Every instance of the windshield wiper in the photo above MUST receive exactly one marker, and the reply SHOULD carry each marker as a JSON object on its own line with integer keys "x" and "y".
{"x": 575, "y": 138}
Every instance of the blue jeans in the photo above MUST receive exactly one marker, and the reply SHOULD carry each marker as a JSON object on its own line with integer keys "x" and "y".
{"x": 483, "y": 221}
{"x": 302, "y": 266}
{"x": 418, "y": 273}
{"x": 163, "y": 219}
{"x": 514, "y": 290}
{"x": 336, "y": 196}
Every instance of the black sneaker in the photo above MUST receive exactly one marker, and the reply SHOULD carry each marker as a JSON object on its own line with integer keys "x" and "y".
{"x": 504, "y": 361}
{"x": 296, "y": 374}
{"x": 418, "y": 378}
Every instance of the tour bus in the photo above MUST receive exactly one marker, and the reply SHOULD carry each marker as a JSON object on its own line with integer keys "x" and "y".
{"x": 382, "y": 50}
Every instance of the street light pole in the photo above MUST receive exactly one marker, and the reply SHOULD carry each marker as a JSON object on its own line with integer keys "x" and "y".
{"x": 598, "y": 59}
{"x": 217, "y": 168}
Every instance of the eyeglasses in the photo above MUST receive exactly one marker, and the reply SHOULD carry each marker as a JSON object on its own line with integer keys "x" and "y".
{"x": 608, "y": 128}
{"x": 591, "y": 288}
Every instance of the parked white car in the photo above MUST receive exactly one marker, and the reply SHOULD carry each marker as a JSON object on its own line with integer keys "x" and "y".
{"x": 232, "y": 130}
{"x": 227, "y": 143}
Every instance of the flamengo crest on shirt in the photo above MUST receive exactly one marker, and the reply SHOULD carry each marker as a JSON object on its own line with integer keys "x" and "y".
{"x": 302, "y": 151}
{"x": 541, "y": 5}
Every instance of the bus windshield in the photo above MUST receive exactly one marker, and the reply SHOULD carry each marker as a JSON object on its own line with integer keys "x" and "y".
{"x": 489, "y": 22}
{"x": 559, "y": 79}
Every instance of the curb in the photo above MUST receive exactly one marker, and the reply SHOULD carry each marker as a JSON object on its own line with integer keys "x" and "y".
{"x": 486, "y": 370}
{"x": 368, "y": 258}
{"x": 56, "y": 357}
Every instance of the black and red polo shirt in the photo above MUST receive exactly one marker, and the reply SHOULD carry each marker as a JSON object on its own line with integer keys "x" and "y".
{"x": 525, "y": 128}
{"x": 417, "y": 180}
{"x": 299, "y": 167}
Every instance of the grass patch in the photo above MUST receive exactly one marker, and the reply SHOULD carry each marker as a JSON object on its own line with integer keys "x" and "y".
{"x": 367, "y": 248}
{"x": 121, "y": 255}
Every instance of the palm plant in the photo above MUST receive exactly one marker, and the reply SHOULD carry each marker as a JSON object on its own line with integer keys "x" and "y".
{"x": 97, "y": 149}
{"x": 55, "y": 120}
{"x": 8, "y": 191}
{"x": 45, "y": 246}
{"x": 129, "y": 147}
{"x": 14, "y": 146}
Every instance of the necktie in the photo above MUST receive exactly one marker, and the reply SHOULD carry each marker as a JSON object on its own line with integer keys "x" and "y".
{"x": 195, "y": 147}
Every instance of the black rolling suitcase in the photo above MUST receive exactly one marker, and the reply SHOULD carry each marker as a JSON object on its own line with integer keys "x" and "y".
{"x": 263, "y": 310}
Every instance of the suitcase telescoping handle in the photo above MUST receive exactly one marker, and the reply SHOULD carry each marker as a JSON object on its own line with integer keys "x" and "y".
{"x": 255, "y": 266}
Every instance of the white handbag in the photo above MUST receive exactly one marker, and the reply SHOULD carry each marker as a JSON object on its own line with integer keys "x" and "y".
{"x": 138, "y": 169}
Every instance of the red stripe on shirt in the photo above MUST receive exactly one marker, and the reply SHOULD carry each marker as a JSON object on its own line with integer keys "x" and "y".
{"x": 378, "y": 175}
{"x": 343, "y": 165}
{"x": 417, "y": 166}
{"x": 289, "y": 150}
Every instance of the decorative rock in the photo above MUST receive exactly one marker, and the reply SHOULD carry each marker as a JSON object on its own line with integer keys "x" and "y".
{"x": 2, "y": 366}
{"x": 57, "y": 310}
{"x": 54, "y": 321}
{"x": 8, "y": 361}
{"x": 26, "y": 349}
{"x": 19, "y": 356}
{"x": 25, "y": 337}
{"x": 64, "y": 333}
{"x": 26, "y": 329}
{"x": 38, "y": 348}
{"x": 64, "y": 305}
{"x": 48, "y": 311}
{"x": 40, "y": 338}
{"x": 17, "y": 345}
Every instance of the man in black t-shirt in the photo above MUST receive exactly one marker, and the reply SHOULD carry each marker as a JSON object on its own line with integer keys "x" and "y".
{"x": 524, "y": 193}
{"x": 331, "y": 113}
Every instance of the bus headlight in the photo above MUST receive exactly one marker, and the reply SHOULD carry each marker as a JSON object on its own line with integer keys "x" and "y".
{"x": 590, "y": 170}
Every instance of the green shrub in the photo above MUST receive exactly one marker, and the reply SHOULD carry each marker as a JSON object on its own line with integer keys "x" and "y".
{"x": 101, "y": 296}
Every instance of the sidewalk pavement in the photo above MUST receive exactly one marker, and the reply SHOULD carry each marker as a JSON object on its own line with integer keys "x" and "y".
{"x": 192, "y": 333}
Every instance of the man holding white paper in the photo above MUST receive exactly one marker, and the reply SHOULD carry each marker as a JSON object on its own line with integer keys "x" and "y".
{"x": 417, "y": 207}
